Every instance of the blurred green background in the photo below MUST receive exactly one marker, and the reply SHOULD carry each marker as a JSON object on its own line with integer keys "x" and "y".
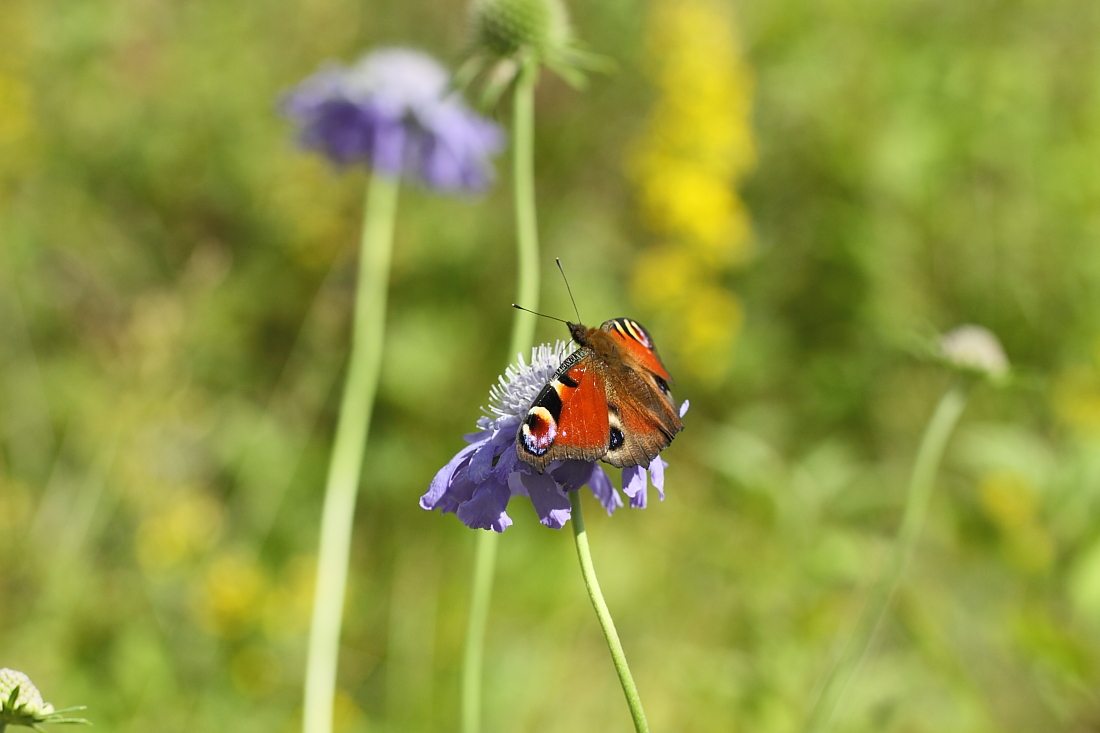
{"x": 175, "y": 289}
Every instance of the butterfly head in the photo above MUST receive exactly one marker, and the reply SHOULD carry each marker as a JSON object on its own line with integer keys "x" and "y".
{"x": 580, "y": 333}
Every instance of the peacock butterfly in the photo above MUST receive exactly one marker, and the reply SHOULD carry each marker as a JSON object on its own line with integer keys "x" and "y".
{"x": 609, "y": 400}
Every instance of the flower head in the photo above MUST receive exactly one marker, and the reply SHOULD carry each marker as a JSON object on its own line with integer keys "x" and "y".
{"x": 509, "y": 34}
{"x": 508, "y": 27}
{"x": 974, "y": 349}
{"x": 21, "y": 703}
{"x": 395, "y": 110}
{"x": 479, "y": 481}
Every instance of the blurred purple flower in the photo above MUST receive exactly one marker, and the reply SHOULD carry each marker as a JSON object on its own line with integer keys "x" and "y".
{"x": 482, "y": 477}
{"x": 395, "y": 110}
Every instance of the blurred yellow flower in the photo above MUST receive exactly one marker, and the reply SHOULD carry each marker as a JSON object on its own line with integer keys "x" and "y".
{"x": 1011, "y": 502}
{"x": 664, "y": 275}
{"x": 228, "y": 597}
{"x": 686, "y": 166}
{"x": 1008, "y": 499}
{"x": 183, "y": 531}
{"x": 1075, "y": 398}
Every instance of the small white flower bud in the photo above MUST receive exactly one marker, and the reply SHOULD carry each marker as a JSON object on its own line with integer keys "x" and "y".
{"x": 974, "y": 349}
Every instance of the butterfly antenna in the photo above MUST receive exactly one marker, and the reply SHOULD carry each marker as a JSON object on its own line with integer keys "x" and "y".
{"x": 568, "y": 289}
{"x": 543, "y": 315}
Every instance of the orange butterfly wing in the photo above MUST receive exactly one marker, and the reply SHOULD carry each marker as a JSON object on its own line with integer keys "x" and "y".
{"x": 609, "y": 400}
{"x": 568, "y": 418}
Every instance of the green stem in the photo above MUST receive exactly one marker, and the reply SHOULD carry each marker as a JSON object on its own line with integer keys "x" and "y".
{"x": 527, "y": 234}
{"x": 523, "y": 334}
{"x": 921, "y": 483}
{"x": 485, "y": 558}
{"x": 604, "y": 615}
{"x": 346, "y": 462}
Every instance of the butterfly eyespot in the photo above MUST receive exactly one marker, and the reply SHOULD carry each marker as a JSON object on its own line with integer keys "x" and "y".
{"x": 538, "y": 431}
{"x": 661, "y": 384}
{"x": 616, "y": 439}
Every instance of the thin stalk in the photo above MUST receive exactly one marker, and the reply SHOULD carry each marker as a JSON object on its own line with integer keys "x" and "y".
{"x": 527, "y": 233}
{"x": 523, "y": 334}
{"x": 921, "y": 483}
{"x": 485, "y": 559}
{"x": 604, "y": 615}
{"x": 352, "y": 427}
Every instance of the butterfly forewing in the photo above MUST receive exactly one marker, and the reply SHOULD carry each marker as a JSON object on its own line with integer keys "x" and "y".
{"x": 635, "y": 341}
{"x": 569, "y": 417}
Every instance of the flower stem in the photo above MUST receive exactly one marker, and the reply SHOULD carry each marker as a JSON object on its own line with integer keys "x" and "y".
{"x": 346, "y": 462}
{"x": 523, "y": 333}
{"x": 604, "y": 615}
{"x": 527, "y": 234}
{"x": 921, "y": 483}
{"x": 485, "y": 558}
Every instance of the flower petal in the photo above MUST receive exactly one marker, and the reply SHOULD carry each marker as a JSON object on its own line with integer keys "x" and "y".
{"x": 572, "y": 474}
{"x": 482, "y": 462}
{"x": 634, "y": 486}
{"x": 657, "y": 475}
{"x": 486, "y": 509}
{"x": 443, "y": 476}
{"x": 506, "y": 464}
{"x": 684, "y": 408}
{"x": 604, "y": 490}
{"x": 460, "y": 491}
{"x": 388, "y": 145}
{"x": 393, "y": 110}
{"x": 550, "y": 502}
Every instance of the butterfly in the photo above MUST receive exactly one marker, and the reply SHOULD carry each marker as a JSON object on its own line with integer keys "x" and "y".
{"x": 609, "y": 401}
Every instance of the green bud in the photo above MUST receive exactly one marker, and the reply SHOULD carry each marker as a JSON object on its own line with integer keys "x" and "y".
{"x": 21, "y": 703}
{"x": 511, "y": 35}
{"x": 505, "y": 28}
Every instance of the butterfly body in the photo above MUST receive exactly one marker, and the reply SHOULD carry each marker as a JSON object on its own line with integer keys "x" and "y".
{"x": 608, "y": 401}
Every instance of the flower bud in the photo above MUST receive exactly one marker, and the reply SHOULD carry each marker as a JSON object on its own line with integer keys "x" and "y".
{"x": 506, "y": 28}
{"x": 974, "y": 349}
{"x": 21, "y": 703}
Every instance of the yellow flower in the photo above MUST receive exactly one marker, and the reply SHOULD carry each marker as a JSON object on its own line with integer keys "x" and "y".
{"x": 686, "y": 166}
{"x": 227, "y": 599}
{"x": 183, "y": 531}
{"x": 1076, "y": 398}
{"x": 1011, "y": 502}
{"x": 664, "y": 275}
{"x": 1008, "y": 499}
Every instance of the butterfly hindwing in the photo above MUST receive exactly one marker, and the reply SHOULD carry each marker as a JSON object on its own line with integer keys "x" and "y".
{"x": 642, "y": 419}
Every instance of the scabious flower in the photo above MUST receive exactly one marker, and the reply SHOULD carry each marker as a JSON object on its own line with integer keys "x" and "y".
{"x": 974, "y": 349}
{"x": 506, "y": 34}
{"x": 21, "y": 703}
{"x": 395, "y": 110}
{"x": 481, "y": 479}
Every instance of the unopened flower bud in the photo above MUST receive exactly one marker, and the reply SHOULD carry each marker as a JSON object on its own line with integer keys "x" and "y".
{"x": 507, "y": 27}
{"x": 974, "y": 349}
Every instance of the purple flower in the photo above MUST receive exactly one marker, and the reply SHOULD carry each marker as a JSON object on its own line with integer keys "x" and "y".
{"x": 395, "y": 110}
{"x": 482, "y": 477}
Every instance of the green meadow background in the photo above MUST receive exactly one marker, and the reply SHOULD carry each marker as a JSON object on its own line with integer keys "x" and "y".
{"x": 175, "y": 291}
